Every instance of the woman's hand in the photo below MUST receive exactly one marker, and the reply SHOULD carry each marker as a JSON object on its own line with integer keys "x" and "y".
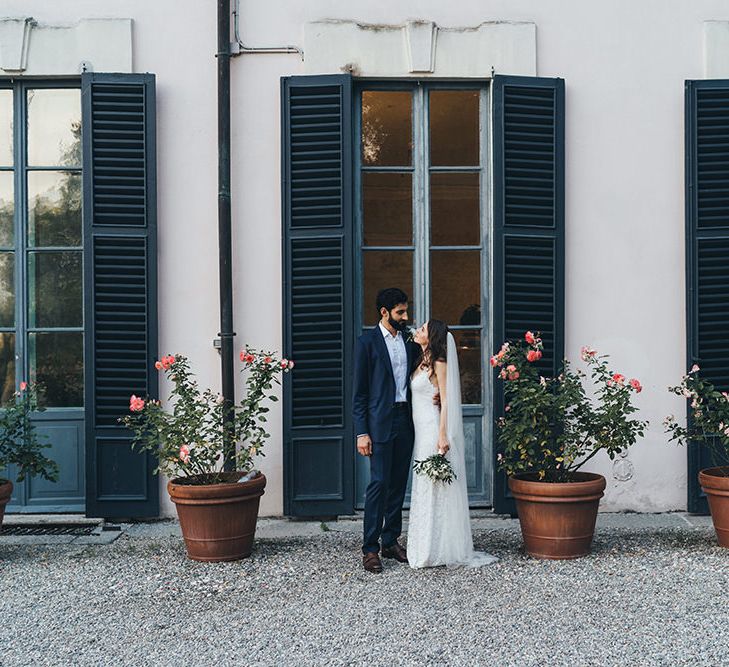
{"x": 443, "y": 445}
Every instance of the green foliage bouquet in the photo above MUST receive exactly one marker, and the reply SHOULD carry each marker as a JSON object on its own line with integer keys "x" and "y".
{"x": 437, "y": 467}
{"x": 19, "y": 443}
{"x": 188, "y": 438}
{"x": 550, "y": 427}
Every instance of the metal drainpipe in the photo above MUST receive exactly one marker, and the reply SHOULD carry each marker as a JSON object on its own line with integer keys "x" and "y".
{"x": 224, "y": 234}
{"x": 237, "y": 48}
{"x": 226, "y": 50}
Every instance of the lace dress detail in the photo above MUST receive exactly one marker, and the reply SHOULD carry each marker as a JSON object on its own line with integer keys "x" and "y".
{"x": 439, "y": 529}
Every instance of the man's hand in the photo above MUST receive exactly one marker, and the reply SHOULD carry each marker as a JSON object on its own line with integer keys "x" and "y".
{"x": 364, "y": 445}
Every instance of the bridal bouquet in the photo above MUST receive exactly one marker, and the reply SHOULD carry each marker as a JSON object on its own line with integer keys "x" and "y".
{"x": 437, "y": 467}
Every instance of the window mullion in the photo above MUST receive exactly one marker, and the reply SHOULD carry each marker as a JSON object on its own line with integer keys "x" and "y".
{"x": 22, "y": 241}
{"x": 19, "y": 214}
{"x": 420, "y": 193}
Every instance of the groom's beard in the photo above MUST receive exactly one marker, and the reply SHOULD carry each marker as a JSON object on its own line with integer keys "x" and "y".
{"x": 401, "y": 326}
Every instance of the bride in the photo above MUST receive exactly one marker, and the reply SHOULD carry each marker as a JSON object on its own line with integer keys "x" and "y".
{"x": 439, "y": 530}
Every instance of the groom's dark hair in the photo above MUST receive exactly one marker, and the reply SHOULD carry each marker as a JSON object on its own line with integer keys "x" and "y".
{"x": 389, "y": 298}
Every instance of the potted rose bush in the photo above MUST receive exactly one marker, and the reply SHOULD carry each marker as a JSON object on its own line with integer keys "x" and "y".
{"x": 550, "y": 429}
{"x": 217, "y": 509}
{"x": 708, "y": 424}
{"x": 19, "y": 443}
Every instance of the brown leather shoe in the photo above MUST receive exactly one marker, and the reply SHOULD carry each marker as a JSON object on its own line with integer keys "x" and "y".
{"x": 397, "y": 552}
{"x": 371, "y": 562}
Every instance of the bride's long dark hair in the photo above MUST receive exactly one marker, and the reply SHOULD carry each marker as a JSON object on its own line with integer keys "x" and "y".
{"x": 437, "y": 348}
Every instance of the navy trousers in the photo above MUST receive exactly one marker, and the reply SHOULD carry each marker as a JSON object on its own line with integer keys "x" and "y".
{"x": 389, "y": 470}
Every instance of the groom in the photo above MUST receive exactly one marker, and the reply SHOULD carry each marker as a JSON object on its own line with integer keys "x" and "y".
{"x": 384, "y": 425}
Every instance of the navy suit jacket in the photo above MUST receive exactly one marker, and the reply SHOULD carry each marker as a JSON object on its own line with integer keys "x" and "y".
{"x": 374, "y": 385}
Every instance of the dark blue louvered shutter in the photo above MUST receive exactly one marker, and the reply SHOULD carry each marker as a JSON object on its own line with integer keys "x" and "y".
{"x": 318, "y": 294}
{"x": 528, "y": 149}
{"x": 120, "y": 272}
{"x": 707, "y": 251}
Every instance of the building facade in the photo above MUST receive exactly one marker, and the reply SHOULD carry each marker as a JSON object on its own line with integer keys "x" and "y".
{"x": 511, "y": 165}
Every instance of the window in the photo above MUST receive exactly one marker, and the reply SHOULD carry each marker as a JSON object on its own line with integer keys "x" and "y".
{"x": 422, "y": 209}
{"x": 41, "y": 289}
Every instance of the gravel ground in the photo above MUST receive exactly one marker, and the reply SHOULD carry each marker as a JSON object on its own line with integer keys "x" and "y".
{"x": 655, "y": 596}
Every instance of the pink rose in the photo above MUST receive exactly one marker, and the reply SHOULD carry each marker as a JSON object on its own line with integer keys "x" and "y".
{"x": 694, "y": 368}
{"x": 502, "y": 375}
{"x": 534, "y": 355}
{"x": 268, "y": 360}
{"x": 165, "y": 362}
{"x": 184, "y": 454}
{"x": 136, "y": 404}
{"x": 494, "y": 362}
{"x": 23, "y": 386}
{"x": 636, "y": 385}
{"x": 530, "y": 338}
{"x": 618, "y": 378}
{"x": 587, "y": 353}
{"x": 291, "y": 364}
{"x": 284, "y": 363}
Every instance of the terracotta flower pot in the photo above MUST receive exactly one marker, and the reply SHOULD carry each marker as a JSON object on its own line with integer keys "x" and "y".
{"x": 218, "y": 521}
{"x": 6, "y": 490}
{"x": 715, "y": 484}
{"x": 557, "y": 518}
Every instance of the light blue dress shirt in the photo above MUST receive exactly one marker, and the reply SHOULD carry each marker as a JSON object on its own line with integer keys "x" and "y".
{"x": 399, "y": 360}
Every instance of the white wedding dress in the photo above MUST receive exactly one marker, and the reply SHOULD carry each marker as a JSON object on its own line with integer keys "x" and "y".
{"x": 439, "y": 528}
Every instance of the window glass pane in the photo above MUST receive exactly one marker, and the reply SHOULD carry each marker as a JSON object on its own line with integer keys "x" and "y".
{"x": 387, "y": 208}
{"x": 56, "y": 361}
{"x": 54, "y": 127}
{"x": 454, "y": 209}
{"x": 54, "y": 289}
{"x": 7, "y": 366}
{"x": 54, "y": 208}
{"x": 468, "y": 342}
{"x": 7, "y": 209}
{"x": 6, "y": 128}
{"x": 7, "y": 289}
{"x": 454, "y": 125}
{"x": 455, "y": 285}
{"x": 387, "y": 128}
{"x": 382, "y": 269}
